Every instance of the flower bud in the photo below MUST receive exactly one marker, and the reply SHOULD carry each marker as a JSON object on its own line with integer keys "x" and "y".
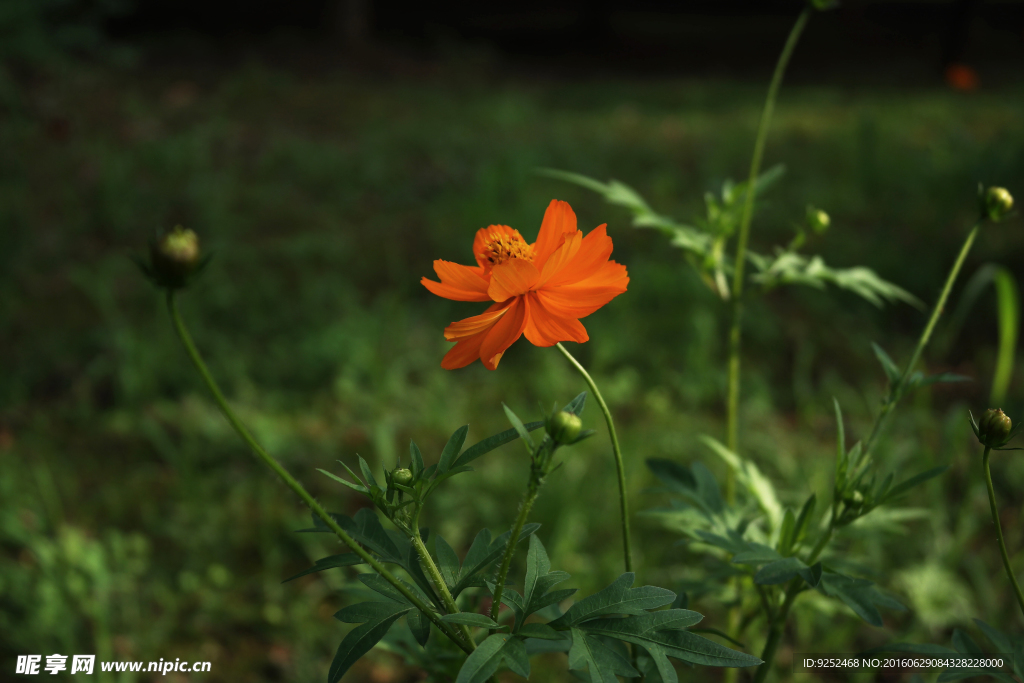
{"x": 818, "y": 220}
{"x": 994, "y": 428}
{"x": 174, "y": 257}
{"x": 402, "y": 476}
{"x": 998, "y": 202}
{"x": 563, "y": 427}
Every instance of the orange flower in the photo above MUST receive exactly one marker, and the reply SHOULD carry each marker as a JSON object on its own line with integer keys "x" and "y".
{"x": 540, "y": 289}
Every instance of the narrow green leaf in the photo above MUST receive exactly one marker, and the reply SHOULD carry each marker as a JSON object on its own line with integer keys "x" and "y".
{"x": 359, "y": 641}
{"x": 905, "y": 486}
{"x": 537, "y": 566}
{"x": 367, "y": 473}
{"x": 379, "y": 584}
{"x": 786, "y": 532}
{"x": 447, "y": 562}
{"x": 803, "y": 520}
{"x": 486, "y": 561}
{"x": 518, "y": 425}
{"x": 367, "y": 611}
{"x": 355, "y": 487}
{"x": 485, "y": 659}
{"x": 840, "y": 443}
{"x": 590, "y": 654}
{"x": 756, "y": 554}
{"x": 576, "y": 405}
{"x": 618, "y": 598}
{"x": 419, "y": 625}
{"x": 892, "y": 372}
{"x": 1000, "y": 641}
{"x": 492, "y": 442}
{"x": 452, "y": 448}
{"x": 470, "y": 619}
{"x": 330, "y": 562}
{"x": 680, "y": 644}
{"x": 779, "y": 571}
{"x": 812, "y": 574}
{"x": 416, "y": 458}
{"x": 542, "y": 631}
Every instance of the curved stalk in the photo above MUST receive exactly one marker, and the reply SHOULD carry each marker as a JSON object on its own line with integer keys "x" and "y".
{"x": 435, "y": 574}
{"x": 294, "y": 485}
{"x": 735, "y": 333}
{"x": 616, "y": 451}
{"x": 999, "y": 529}
{"x": 897, "y": 389}
{"x": 532, "y": 491}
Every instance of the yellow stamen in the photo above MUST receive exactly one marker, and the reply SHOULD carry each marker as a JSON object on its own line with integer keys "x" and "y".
{"x": 501, "y": 247}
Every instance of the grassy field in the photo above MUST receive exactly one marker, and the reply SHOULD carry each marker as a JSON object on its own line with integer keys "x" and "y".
{"x": 133, "y": 523}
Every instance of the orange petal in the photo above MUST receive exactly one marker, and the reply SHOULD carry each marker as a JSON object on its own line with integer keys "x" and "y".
{"x": 512, "y": 278}
{"x": 560, "y": 258}
{"x": 579, "y": 300}
{"x": 463, "y": 353}
{"x": 587, "y": 260}
{"x": 476, "y": 324}
{"x": 544, "y": 328}
{"x": 504, "y": 333}
{"x": 559, "y": 220}
{"x": 459, "y": 283}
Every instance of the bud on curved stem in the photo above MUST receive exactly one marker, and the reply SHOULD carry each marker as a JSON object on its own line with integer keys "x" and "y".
{"x": 997, "y": 203}
{"x": 563, "y": 427}
{"x": 999, "y": 529}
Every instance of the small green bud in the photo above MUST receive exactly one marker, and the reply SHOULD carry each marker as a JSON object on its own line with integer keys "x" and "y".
{"x": 994, "y": 428}
{"x": 402, "y": 476}
{"x": 563, "y": 427}
{"x": 174, "y": 257}
{"x": 818, "y": 220}
{"x": 998, "y": 202}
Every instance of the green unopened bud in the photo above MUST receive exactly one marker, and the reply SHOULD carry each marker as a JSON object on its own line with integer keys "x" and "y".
{"x": 563, "y": 427}
{"x": 175, "y": 256}
{"x": 402, "y": 476}
{"x": 818, "y": 220}
{"x": 998, "y": 203}
{"x": 994, "y": 428}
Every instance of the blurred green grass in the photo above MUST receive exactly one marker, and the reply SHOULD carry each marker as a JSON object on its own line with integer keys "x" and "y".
{"x": 133, "y": 523}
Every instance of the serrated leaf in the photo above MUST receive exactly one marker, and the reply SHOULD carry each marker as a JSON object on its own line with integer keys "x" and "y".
{"x": 492, "y": 442}
{"x": 617, "y": 598}
{"x": 470, "y": 619}
{"x": 748, "y": 475}
{"x": 860, "y": 595}
{"x": 419, "y": 625}
{"x": 680, "y": 644}
{"x": 452, "y": 448}
{"x": 361, "y": 640}
{"x": 489, "y": 656}
{"x": 600, "y": 661}
{"x": 329, "y": 562}
{"x": 892, "y": 371}
{"x": 447, "y": 562}
{"x": 416, "y": 458}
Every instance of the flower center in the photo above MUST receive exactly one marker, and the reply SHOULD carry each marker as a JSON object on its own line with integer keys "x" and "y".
{"x": 501, "y": 247}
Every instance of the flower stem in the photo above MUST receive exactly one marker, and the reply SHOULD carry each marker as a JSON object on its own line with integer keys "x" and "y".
{"x": 616, "y": 451}
{"x": 778, "y": 622}
{"x": 999, "y": 529}
{"x": 897, "y": 389}
{"x": 532, "y": 491}
{"x": 735, "y": 333}
{"x": 294, "y": 485}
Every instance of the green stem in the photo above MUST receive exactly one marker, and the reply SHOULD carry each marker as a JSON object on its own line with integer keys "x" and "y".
{"x": 735, "y": 333}
{"x": 435, "y": 576}
{"x": 897, "y": 389}
{"x": 616, "y": 451}
{"x": 532, "y": 491}
{"x": 778, "y": 623}
{"x": 295, "y": 486}
{"x": 999, "y": 529}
